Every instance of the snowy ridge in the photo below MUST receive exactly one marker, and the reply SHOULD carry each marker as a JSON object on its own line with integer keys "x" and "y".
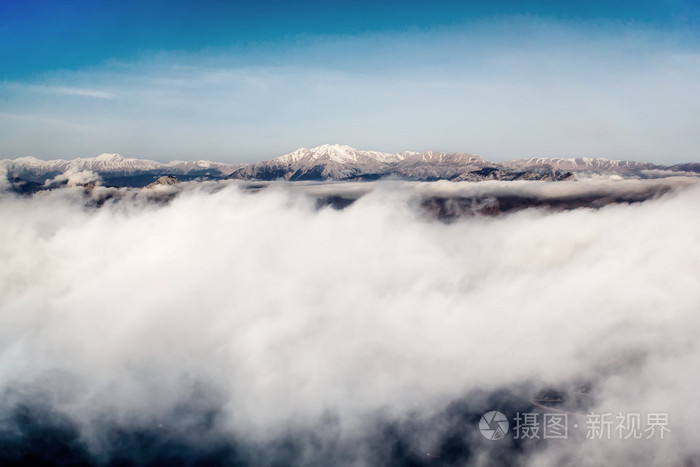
{"x": 584, "y": 163}
{"x": 113, "y": 163}
{"x": 344, "y": 154}
{"x": 337, "y": 153}
{"x": 101, "y": 163}
{"x": 342, "y": 162}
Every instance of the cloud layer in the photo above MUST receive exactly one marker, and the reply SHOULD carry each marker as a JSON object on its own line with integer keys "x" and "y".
{"x": 267, "y": 322}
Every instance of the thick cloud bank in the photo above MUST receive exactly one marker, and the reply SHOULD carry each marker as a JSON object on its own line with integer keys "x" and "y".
{"x": 253, "y": 328}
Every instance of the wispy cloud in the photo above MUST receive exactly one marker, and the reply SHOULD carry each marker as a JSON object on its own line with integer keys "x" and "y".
{"x": 505, "y": 91}
{"x": 60, "y": 90}
{"x": 81, "y": 92}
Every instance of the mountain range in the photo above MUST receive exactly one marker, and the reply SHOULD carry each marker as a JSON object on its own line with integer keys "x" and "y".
{"x": 333, "y": 162}
{"x": 116, "y": 169}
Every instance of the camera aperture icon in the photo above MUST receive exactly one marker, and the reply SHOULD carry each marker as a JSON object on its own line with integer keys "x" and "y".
{"x": 493, "y": 425}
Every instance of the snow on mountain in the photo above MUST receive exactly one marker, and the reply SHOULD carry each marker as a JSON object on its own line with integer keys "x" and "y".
{"x": 342, "y": 162}
{"x": 101, "y": 163}
{"x": 113, "y": 164}
{"x": 343, "y": 154}
{"x": 338, "y": 162}
{"x": 435, "y": 157}
{"x": 340, "y": 154}
{"x": 186, "y": 167}
{"x": 584, "y": 164}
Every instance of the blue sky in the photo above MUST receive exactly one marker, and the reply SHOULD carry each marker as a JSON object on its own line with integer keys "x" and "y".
{"x": 243, "y": 81}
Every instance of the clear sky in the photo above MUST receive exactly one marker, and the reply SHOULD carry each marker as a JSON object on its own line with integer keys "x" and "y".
{"x": 250, "y": 80}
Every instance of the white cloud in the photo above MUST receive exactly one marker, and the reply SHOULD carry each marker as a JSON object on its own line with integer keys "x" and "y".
{"x": 281, "y": 316}
{"x": 61, "y": 90}
{"x": 82, "y": 92}
{"x": 73, "y": 177}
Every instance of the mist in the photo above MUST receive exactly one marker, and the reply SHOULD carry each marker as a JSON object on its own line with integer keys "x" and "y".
{"x": 260, "y": 329}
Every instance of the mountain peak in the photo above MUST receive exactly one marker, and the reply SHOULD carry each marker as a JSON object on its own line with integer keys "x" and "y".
{"x": 335, "y": 152}
{"x": 106, "y": 157}
{"x": 337, "y": 148}
{"x": 339, "y": 153}
{"x": 28, "y": 160}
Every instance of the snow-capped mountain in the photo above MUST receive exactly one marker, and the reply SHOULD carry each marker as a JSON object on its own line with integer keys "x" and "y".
{"x": 334, "y": 162}
{"x": 101, "y": 163}
{"x": 341, "y": 162}
{"x": 35, "y": 169}
{"x": 338, "y": 153}
{"x": 580, "y": 164}
{"x": 337, "y": 162}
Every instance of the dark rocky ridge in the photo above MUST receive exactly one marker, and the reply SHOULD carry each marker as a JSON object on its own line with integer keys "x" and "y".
{"x": 164, "y": 180}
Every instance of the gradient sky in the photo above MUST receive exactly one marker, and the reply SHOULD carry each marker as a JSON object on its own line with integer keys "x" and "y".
{"x": 250, "y": 80}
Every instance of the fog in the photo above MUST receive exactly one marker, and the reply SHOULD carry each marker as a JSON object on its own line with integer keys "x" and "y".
{"x": 259, "y": 327}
